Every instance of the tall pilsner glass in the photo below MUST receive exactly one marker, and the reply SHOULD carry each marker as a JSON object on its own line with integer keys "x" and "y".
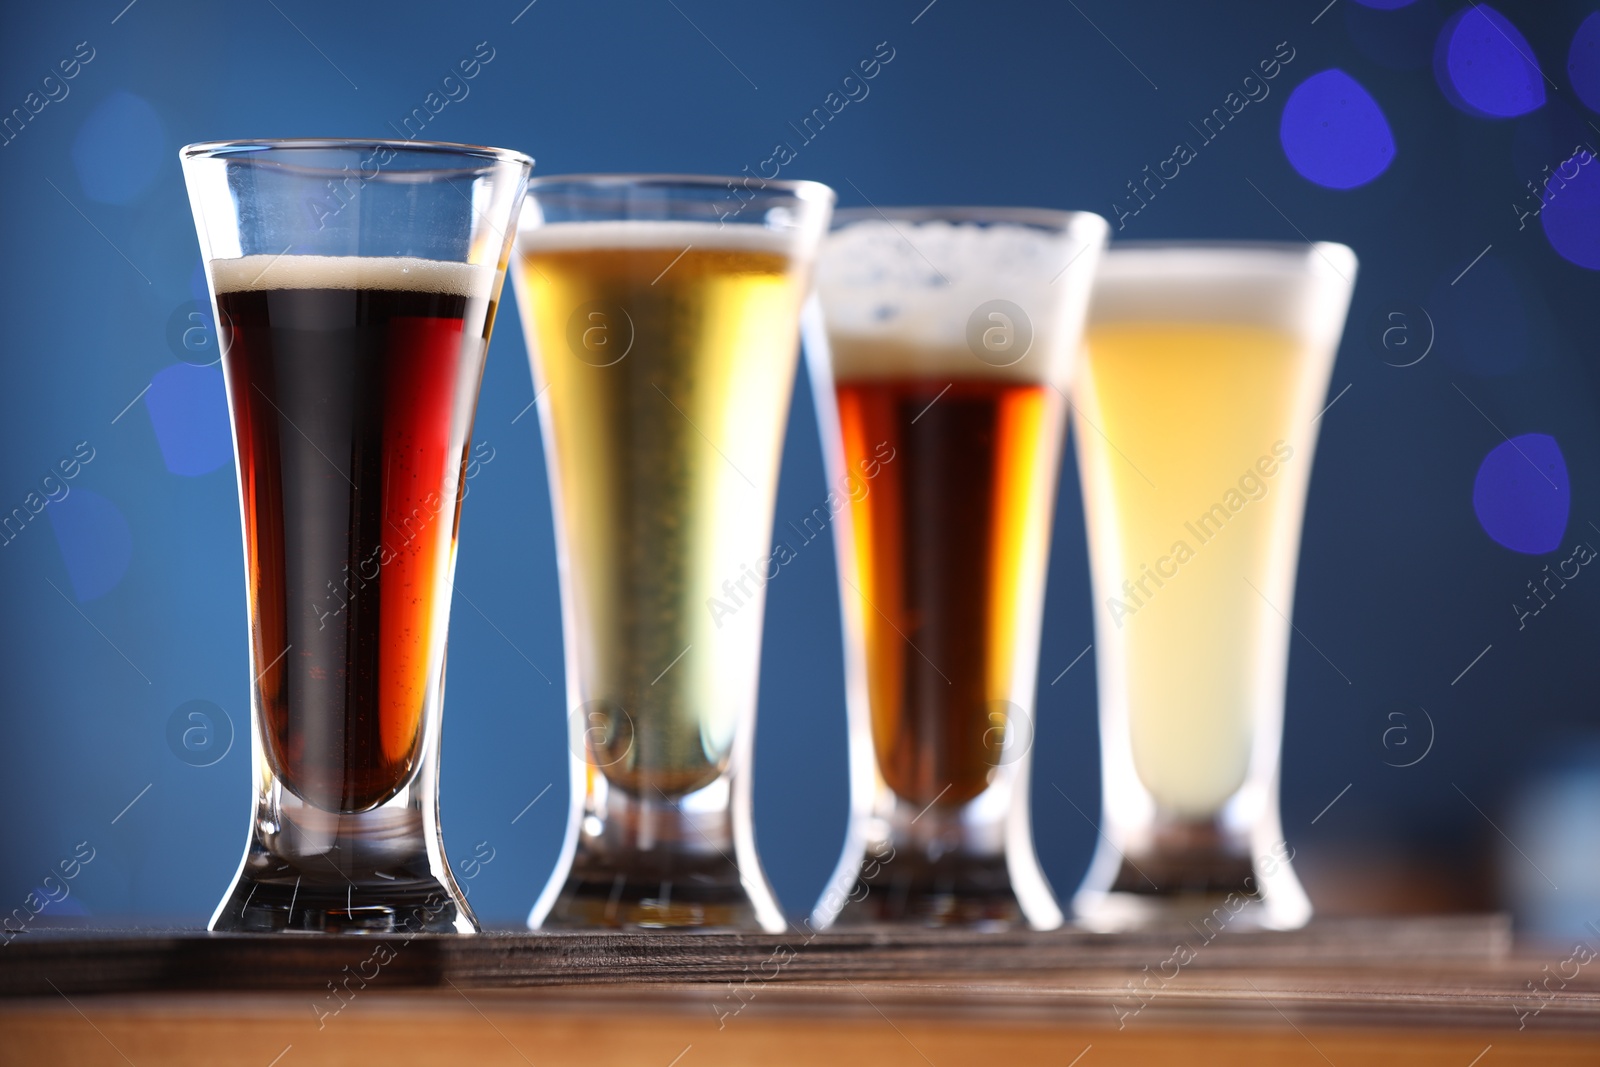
{"x": 662, "y": 320}
{"x": 1206, "y": 368}
{"x": 354, "y": 284}
{"x": 954, "y": 334}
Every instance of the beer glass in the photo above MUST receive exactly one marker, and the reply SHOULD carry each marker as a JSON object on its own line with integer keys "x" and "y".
{"x": 661, "y": 314}
{"x": 354, "y": 285}
{"x": 951, "y": 339}
{"x": 1205, "y": 372}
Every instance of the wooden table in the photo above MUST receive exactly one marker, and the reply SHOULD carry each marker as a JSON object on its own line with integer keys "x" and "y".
{"x": 1447, "y": 991}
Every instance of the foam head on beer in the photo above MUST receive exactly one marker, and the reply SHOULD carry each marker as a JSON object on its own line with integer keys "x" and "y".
{"x": 260, "y": 273}
{"x": 652, "y": 235}
{"x": 935, "y": 297}
{"x": 1303, "y": 297}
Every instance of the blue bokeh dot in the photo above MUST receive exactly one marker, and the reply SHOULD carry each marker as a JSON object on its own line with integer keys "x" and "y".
{"x": 1480, "y": 317}
{"x": 189, "y": 410}
{"x": 1583, "y": 62}
{"x": 1540, "y": 141}
{"x": 69, "y": 905}
{"x": 1522, "y": 495}
{"x": 1485, "y": 66}
{"x": 1571, "y": 214}
{"x": 1334, "y": 133}
{"x": 120, "y": 149}
{"x": 95, "y": 541}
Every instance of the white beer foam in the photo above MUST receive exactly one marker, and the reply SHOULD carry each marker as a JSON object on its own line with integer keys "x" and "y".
{"x": 653, "y": 234}
{"x": 899, "y": 296}
{"x": 405, "y": 274}
{"x": 1302, "y": 290}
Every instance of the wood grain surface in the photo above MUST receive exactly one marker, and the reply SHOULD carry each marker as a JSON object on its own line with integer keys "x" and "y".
{"x": 1437, "y": 991}
{"x": 109, "y": 961}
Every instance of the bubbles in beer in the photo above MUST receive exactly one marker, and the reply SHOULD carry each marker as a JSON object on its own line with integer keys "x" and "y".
{"x": 600, "y": 333}
{"x": 665, "y": 349}
{"x": 601, "y": 732}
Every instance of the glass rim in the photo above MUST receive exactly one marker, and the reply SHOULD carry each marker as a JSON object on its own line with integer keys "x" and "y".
{"x": 1287, "y": 249}
{"x": 799, "y": 188}
{"x": 245, "y": 147}
{"x": 1062, "y": 219}
{"x": 1191, "y": 257}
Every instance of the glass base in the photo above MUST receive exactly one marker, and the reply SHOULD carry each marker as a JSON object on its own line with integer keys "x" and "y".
{"x": 652, "y": 892}
{"x": 948, "y": 891}
{"x": 961, "y": 866}
{"x": 663, "y": 864}
{"x": 280, "y": 902}
{"x": 373, "y": 872}
{"x": 1195, "y": 873}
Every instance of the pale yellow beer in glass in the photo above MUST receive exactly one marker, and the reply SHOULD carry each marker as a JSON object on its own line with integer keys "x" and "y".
{"x": 1205, "y": 368}
{"x": 662, "y": 317}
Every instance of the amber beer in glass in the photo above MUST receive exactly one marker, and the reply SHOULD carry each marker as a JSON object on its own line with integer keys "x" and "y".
{"x": 951, "y": 340}
{"x": 356, "y": 284}
{"x": 663, "y": 328}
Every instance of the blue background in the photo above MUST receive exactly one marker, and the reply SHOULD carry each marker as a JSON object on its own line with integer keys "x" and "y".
{"x": 123, "y": 601}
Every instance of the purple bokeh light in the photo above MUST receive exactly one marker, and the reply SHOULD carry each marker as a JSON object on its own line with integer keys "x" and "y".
{"x": 1571, "y": 215}
{"x": 1522, "y": 495}
{"x": 1334, "y": 133}
{"x": 1583, "y": 62}
{"x": 1542, "y": 140}
{"x": 1485, "y": 66}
